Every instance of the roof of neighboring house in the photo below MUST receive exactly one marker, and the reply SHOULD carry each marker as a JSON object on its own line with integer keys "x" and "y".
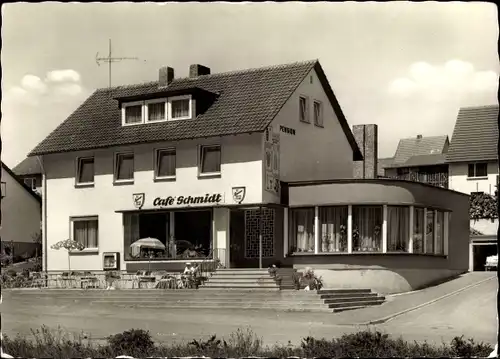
{"x": 420, "y": 161}
{"x": 21, "y": 182}
{"x": 419, "y": 146}
{"x": 475, "y": 137}
{"x": 29, "y": 166}
{"x": 382, "y": 164}
{"x": 247, "y": 101}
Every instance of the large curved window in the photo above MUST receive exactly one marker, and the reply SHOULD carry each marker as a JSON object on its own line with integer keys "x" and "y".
{"x": 333, "y": 229}
{"x": 418, "y": 230}
{"x": 398, "y": 228}
{"x": 302, "y": 230}
{"x": 429, "y": 232}
{"x": 367, "y": 228}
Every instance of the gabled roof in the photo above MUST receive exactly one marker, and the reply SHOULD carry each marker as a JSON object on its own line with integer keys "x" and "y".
{"x": 419, "y": 146}
{"x": 475, "y": 137}
{"x": 247, "y": 102}
{"x": 21, "y": 182}
{"x": 29, "y": 166}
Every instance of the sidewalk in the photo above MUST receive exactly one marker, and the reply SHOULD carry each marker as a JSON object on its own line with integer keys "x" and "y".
{"x": 402, "y": 302}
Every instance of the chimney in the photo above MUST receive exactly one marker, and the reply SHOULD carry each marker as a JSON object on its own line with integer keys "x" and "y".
{"x": 419, "y": 137}
{"x": 367, "y": 139}
{"x": 166, "y": 75}
{"x": 198, "y": 70}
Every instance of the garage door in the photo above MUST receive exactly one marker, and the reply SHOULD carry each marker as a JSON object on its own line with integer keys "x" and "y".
{"x": 480, "y": 251}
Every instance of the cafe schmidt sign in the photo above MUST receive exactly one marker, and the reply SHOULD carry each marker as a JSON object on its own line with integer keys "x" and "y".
{"x": 172, "y": 201}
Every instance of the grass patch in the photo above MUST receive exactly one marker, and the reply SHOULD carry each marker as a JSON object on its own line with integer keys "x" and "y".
{"x": 138, "y": 343}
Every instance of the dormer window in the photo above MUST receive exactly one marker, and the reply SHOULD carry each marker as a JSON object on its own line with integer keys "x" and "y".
{"x": 157, "y": 110}
{"x": 180, "y": 108}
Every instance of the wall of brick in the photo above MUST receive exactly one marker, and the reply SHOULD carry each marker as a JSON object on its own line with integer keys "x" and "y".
{"x": 367, "y": 139}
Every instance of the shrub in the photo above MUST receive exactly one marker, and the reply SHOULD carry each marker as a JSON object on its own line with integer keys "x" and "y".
{"x": 131, "y": 342}
{"x": 138, "y": 343}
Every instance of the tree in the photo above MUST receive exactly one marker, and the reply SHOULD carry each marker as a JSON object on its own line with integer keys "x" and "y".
{"x": 483, "y": 206}
{"x": 69, "y": 245}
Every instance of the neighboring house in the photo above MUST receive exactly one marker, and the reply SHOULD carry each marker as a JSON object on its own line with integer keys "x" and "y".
{"x": 419, "y": 159}
{"x": 473, "y": 162}
{"x": 20, "y": 214}
{"x": 30, "y": 172}
{"x": 473, "y": 154}
{"x": 189, "y": 160}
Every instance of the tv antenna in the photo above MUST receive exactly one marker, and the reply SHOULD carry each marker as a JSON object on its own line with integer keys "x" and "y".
{"x": 110, "y": 59}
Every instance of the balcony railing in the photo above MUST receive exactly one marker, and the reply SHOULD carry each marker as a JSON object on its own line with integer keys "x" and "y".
{"x": 434, "y": 179}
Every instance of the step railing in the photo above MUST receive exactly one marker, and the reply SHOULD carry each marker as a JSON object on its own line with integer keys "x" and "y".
{"x": 213, "y": 261}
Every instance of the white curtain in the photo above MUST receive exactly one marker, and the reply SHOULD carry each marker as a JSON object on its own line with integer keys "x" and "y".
{"x": 180, "y": 108}
{"x": 333, "y": 225}
{"x": 86, "y": 232}
{"x": 302, "y": 229}
{"x": 133, "y": 114}
{"x": 156, "y": 111}
{"x": 367, "y": 226}
{"x": 398, "y": 231}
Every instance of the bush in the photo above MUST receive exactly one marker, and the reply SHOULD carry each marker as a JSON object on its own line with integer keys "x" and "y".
{"x": 134, "y": 342}
{"x": 139, "y": 344}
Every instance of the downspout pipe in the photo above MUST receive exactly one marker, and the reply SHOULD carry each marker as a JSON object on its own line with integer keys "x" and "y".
{"x": 44, "y": 213}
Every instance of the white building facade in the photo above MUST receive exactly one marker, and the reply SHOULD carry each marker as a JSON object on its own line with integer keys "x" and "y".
{"x": 190, "y": 162}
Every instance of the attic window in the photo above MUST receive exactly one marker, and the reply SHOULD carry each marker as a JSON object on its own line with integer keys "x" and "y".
{"x": 157, "y": 110}
{"x": 180, "y": 108}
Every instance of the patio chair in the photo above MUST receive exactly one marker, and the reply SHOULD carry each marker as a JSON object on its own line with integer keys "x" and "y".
{"x": 89, "y": 280}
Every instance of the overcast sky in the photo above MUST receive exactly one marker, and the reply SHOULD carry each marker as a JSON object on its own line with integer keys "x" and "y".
{"x": 407, "y": 67}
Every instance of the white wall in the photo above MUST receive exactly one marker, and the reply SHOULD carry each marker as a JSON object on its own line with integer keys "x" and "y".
{"x": 241, "y": 166}
{"x": 313, "y": 153}
{"x": 21, "y": 212}
{"x": 458, "y": 180}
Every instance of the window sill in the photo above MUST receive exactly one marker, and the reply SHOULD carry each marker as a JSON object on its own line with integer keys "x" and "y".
{"x": 84, "y": 185}
{"x": 165, "y": 179}
{"x": 85, "y": 251}
{"x": 304, "y": 121}
{"x": 124, "y": 124}
{"x": 123, "y": 182}
{"x": 482, "y": 178}
{"x": 209, "y": 175}
{"x": 318, "y": 125}
{"x": 180, "y": 118}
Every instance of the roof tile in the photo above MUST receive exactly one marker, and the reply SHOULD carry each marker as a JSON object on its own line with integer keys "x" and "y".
{"x": 475, "y": 136}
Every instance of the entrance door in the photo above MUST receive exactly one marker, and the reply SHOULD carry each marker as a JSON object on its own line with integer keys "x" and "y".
{"x": 237, "y": 238}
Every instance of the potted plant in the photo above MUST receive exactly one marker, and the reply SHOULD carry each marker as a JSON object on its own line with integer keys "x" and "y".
{"x": 343, "y": 238}
{"x": 296, "y": 278}
{"x": 355, "y": 239}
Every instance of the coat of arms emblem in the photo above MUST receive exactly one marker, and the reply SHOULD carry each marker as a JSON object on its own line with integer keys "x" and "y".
{"x": 239, "y": 194}
{"x": 138, "y": 200}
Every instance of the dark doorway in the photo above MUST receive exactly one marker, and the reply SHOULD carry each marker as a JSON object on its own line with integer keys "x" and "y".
{"x": 480, "y": 252}
{"x": 193, "y": 229}
{"x": 237, "y": 238}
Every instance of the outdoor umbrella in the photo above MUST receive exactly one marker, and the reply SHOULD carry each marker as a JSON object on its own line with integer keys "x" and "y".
{"x": 149, "y": 242}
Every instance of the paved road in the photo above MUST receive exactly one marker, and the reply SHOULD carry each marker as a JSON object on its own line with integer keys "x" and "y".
{"x": 472, "y": 313}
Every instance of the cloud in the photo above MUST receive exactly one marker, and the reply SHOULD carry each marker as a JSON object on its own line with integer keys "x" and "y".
{"x": 63, "y": 76}
{"x": 59, "y": 86}
{"x": 33, "y": 83}
{"x": 455, "y": 81}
